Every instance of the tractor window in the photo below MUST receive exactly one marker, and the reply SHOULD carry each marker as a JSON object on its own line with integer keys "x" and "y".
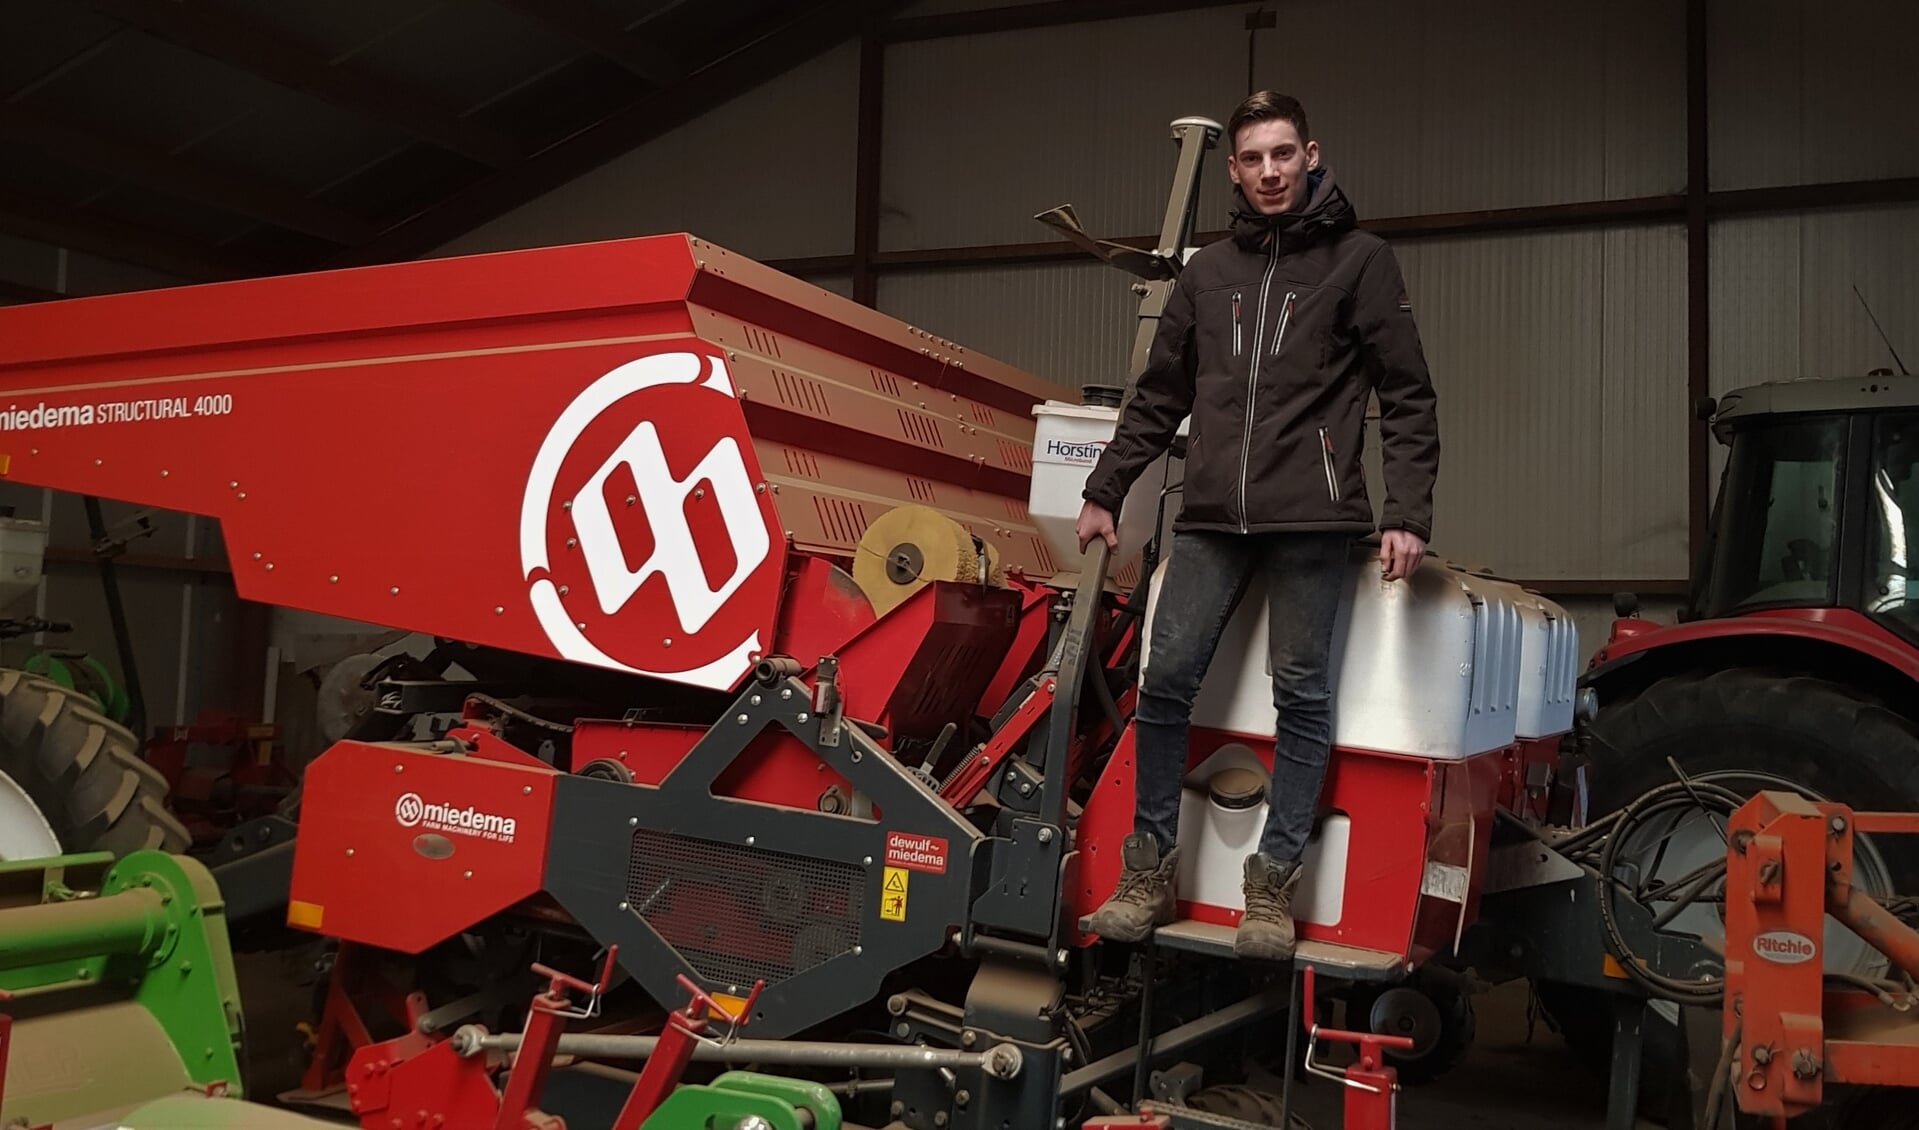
{"x": 1893, "y": 521}
{"x": 1778, "y": 522}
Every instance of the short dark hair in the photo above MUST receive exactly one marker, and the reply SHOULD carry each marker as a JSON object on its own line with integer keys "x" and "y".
{"x": 1266, "y": 106}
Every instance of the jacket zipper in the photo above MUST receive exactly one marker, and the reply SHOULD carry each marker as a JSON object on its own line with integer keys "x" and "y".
{"x": 1326, "y": 456}
{"x": 1252, "y": 383}
{"x": 1285, "y": 316}
{"x": 1236, "y": 323}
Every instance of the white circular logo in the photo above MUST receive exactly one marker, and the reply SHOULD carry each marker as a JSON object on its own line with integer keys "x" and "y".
{"x": 408, "y": 809}
{"x": 642, "y": 505}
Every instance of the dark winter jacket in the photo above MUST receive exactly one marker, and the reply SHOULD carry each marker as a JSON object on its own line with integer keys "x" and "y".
{"x": 1271, "y": 340}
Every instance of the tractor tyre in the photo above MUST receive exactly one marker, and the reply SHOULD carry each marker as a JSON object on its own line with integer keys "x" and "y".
{"x": 1749, "y": 728}
{"x": 82, "y": 770}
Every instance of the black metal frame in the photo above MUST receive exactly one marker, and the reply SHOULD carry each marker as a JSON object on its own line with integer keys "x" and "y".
{"x": 596, "y": 820}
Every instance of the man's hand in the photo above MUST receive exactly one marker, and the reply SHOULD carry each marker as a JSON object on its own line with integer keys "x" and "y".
{"x": 1095, "y": 521}
{"x": 1400, "y": 552}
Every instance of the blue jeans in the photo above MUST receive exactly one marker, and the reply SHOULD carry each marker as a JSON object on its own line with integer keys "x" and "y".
{"x": 1204, "y": 580}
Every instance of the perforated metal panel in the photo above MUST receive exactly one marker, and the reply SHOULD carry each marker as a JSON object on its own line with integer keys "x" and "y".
{"x": 740, "y": 914}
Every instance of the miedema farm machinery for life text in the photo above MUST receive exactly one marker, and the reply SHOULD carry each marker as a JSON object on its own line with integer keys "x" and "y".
{"x": 771, "y": 679}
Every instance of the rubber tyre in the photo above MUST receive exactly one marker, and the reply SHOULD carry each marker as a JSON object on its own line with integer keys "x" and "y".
{"x": 1247, "y": 1104}
{"x": 82, "y": 770}
{"x": 1839, "y": 742}
{"x": 1458, "y": 1025}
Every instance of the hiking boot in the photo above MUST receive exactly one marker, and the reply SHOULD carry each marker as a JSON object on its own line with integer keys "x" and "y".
{"x": 1266, "y": 931}
{"x": 1145, "y": 895}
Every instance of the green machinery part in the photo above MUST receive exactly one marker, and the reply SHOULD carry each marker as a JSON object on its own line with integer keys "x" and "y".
{"x": 122, "y": 984}
{"x": 736, "y": 1096}
{"x": 83, "y": 674}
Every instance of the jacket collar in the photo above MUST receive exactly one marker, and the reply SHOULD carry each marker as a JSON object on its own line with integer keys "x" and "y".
{"x": 1326, "y": 210}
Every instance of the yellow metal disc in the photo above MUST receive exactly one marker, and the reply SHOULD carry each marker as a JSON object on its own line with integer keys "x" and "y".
{"x": 907, "y": 548}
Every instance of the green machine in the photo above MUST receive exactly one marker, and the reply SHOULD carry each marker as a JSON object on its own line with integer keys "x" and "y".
{"x": 121, "y": 998}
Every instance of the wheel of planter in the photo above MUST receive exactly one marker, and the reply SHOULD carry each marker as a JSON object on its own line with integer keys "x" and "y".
{"x": 1437, "y": 1014}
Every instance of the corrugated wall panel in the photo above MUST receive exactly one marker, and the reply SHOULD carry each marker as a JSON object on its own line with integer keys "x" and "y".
{"x": 1070, "y": 323}
{"x": 984, "y": 131}
{"x": 1782, "y": 300}
{"x": 769, "y": 175}
{"x": 1643, "y": 417}
{"x": 1809, "y": 91}
{"x": 1513, "y": 330}
{"x": 1422, "y": 116}
{"x": 1560, "y": 364}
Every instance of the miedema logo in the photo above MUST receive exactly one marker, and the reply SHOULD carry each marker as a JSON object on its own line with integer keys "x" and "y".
{"x": 413, "y": 811}
{"x": 647, "y": 541}
{"x": 1785, "y": 947}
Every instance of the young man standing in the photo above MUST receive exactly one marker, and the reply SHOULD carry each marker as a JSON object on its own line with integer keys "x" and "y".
{"x": 1271, "y": 341}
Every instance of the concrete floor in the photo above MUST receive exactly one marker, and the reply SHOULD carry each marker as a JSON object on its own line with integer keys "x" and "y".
{"x": 1506, "y": 1082}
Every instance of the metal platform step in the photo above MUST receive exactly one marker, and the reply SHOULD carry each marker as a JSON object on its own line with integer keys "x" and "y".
{"x": 1349, "y": 963}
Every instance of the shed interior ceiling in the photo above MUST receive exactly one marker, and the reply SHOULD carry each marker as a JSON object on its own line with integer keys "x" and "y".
{"x": 209, "y": 139}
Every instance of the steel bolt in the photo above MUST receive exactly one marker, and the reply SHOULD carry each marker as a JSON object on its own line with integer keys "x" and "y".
{"x": 1046, "y": 835}
{"x": 632, "y": 821}
{"x": 469, "y": 874}
{"x": 868, "y": 861}
{"x": 1012, "y": 775}
{"x": 901, "y": 1030}
{"x": 1803, "y": 1065}
{"x": 526, "y": 790}
{"x": 334, "y": 579}
{"x": 269, "y": 566}
{"x": 394, "y": 591}
{"x": 626, "y": 906}
{"x": 939, "y": 1118}
{"x": 898, "y": 1108}
{"x": 968, "y": 1038}
{"x": 787, "y": 693}
{"x": 1838, "y": 823}
{"x": 741, "y": 719}
{"x": 567, "y": 505}
{"x": 804, "y": 716}
{"x": 962, "y": 1097}
{"x": 163, "y": 472}
{"x": 499, "y": 610}
{"x": 349, "y": 852}
{"x": 858, "y": 950}
{"x": 243, "y": 494}
{"x": 751, "y": 840}
{"x": 755, "y": 700}
{"x": 399, "y": 768}
{"x": 1762, "y": 1054}
{"x": 631, "y": 499}
{"x": 1026, "y": 788}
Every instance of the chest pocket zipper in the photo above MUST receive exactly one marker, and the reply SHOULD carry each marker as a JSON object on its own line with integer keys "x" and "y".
{"x": 1236, "y": 323}
{"x": 1285, "y": 316}
{"x": 1326, "y": 457}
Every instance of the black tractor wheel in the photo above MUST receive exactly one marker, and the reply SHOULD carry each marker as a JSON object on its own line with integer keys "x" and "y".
{"x": 82, "y": 771}
{"x": 1744, "y": 729}
{"x": 1435, "y": 1011}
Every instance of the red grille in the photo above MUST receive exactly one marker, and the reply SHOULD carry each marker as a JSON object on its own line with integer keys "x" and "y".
{"x": 801, "y": 392}
{"x": 885, "y": 382}
{"x": 921, "y": 429}
{"x": 801, "y": 463}
{"x": 842, "y": 520}
{"x": 1017, "y": 457}
{"x": 920, "y": 488}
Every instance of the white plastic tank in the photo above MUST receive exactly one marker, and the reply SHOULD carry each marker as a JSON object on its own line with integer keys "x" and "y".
{"x": 1548, "y": 663}
{"x": 1067, "y": 442}
{"x": 1427, "y": 666}
{"x": 1222, "y": 810}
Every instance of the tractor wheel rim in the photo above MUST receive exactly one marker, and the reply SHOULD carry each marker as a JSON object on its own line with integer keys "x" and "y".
{"x": 1691, "y": 839}
{"x": 24, "y": 831}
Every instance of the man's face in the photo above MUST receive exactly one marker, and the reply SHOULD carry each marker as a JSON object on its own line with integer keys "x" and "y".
{"x": 1269, "y": 165}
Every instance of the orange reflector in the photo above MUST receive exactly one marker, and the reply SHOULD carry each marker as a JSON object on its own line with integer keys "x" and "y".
{"x": 732, "y": 1004}
{"x": 1612, "y": 968}
{"x": 305, "y": 915}
{"x": 6, "y": 464}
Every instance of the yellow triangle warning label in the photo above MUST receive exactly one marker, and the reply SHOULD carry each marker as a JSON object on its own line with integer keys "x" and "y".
{"x": 893, "y": 895}
{"x": 895, "y": 879}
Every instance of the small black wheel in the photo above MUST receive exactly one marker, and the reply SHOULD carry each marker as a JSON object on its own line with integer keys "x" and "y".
{"x": 1435, "y": 1012}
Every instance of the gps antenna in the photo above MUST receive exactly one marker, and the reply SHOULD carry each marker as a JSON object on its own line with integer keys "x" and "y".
{"x": 1882, "y": 333}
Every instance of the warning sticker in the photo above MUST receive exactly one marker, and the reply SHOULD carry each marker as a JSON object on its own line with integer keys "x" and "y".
{"x": 893, "y": 895}
{"x": 921, "y": 853}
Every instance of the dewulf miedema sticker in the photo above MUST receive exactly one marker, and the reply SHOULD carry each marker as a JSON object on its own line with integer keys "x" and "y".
{"x": 919, "y": 853}
{"x": 1787, "y": 947}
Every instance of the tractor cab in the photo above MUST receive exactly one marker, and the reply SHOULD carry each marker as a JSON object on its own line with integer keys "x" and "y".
{"x": 1818, "y": 506}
